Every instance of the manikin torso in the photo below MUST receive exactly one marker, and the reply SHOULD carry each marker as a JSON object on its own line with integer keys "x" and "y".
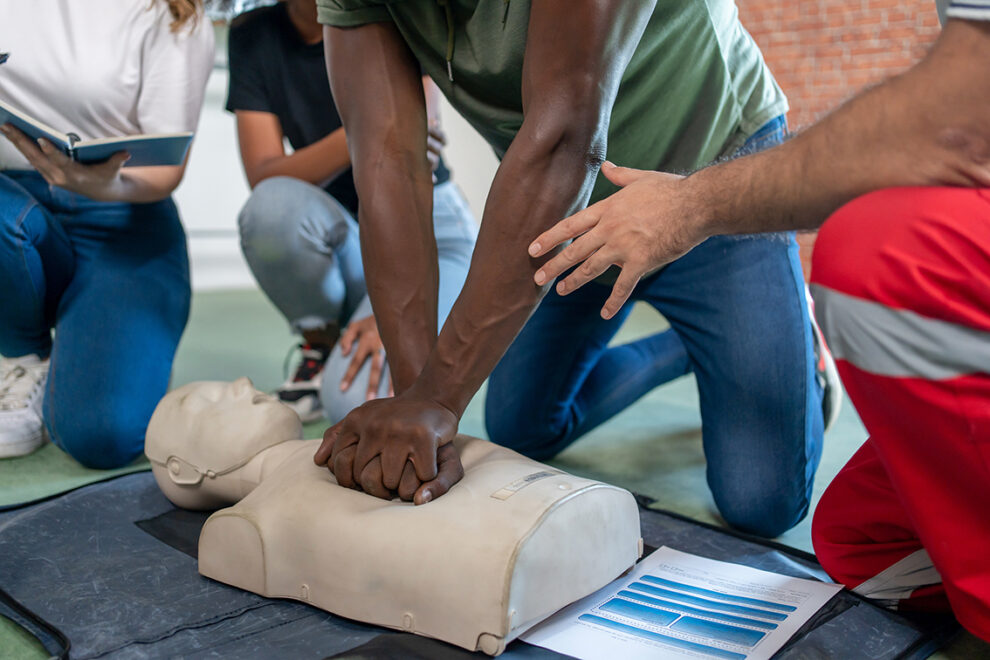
{"x": 511, "y": 543}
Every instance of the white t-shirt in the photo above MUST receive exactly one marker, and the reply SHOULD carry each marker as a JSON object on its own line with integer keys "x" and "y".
{"x": 102, "y": 68}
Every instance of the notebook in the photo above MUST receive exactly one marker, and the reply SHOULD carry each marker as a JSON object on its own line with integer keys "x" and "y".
{"x": 145, "y": 150}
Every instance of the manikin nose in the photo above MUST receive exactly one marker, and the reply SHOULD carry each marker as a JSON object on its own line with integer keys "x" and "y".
{"x": 242, "y": 386}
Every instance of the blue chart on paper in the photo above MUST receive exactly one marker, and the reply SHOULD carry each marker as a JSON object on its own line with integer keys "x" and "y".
{"x": 652, "y": 607}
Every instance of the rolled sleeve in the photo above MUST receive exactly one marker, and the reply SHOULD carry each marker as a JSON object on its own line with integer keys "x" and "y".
{"x": 352, "y": 13}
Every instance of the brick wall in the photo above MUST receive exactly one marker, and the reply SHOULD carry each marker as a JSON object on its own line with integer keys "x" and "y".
{"x": 823, "y": 51}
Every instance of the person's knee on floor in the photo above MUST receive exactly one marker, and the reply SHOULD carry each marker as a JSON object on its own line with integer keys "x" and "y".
{"x": 532, "y": 434}
{"x": 98, "y": 438}
{"x": 759, "y": 501}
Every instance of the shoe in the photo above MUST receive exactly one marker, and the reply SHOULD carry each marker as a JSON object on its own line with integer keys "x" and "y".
{"x": 302, "y": 391}
{"x": 22, "y": 390}
{"x": 826, "y": 372}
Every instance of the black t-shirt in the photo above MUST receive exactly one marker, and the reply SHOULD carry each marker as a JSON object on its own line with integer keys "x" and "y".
{"x": 273, "y": 70}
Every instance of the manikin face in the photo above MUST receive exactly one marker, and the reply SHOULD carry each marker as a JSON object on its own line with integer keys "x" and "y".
{"x": 214, "y": 424}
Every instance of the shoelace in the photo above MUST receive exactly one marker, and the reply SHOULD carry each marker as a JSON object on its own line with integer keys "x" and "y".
{"x": 18, "y": 384}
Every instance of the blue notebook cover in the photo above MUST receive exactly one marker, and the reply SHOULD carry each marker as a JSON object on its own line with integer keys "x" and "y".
{"x": 145, "y": 150}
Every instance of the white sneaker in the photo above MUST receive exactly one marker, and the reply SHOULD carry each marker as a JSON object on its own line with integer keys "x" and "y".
{"x": 22, "y": 390}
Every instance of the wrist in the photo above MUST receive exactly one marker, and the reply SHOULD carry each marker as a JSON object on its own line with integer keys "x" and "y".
{"x": 424, "y": 389}
{"x": 702, "y": 195}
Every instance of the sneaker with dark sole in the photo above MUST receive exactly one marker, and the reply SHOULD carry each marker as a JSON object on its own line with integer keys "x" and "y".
{"x": 301, "y": 392}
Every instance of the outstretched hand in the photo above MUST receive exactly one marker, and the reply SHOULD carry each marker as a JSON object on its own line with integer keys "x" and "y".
{"x": 644, "y": 226}
{"x": 397, "y": 446}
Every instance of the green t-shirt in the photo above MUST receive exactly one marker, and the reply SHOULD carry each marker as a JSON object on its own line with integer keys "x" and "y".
{"x": 694, "y": 90}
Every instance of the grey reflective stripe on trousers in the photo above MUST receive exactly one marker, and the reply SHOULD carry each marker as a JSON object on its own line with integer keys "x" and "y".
{"x": 897, "y": 342}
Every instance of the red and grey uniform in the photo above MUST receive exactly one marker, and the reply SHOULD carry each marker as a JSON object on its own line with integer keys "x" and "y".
{"x": 901, "y": 280}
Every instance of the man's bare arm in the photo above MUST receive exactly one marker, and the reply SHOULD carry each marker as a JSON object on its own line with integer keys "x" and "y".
{"x": 379, "y": 95}
{"x": 576, "y": 54}
{"x": 925, "y": 127}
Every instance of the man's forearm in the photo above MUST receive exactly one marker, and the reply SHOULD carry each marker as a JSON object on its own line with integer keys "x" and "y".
{"x": 400, "y": 260}
{"x": 925, "y": 127}
{"x": 534, "y": 187}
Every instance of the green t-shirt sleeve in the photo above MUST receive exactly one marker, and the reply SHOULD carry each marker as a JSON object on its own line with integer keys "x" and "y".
{"x": 352, "y": 13}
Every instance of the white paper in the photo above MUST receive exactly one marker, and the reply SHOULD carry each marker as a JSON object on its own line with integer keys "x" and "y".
{"x": 678, "y": 605}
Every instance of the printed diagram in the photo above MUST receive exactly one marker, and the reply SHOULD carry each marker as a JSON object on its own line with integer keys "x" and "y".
{"x": 676, "y": 605}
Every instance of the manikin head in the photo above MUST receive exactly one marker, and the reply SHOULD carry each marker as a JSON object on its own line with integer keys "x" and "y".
{"x": 202, "y": 433}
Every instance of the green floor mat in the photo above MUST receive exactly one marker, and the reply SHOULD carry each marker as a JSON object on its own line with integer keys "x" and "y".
{"x": 47, "y": 472}
{"x": 15, "y": 642}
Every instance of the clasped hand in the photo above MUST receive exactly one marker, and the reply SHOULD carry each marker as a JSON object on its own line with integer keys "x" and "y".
{"x": 399, "y": 446}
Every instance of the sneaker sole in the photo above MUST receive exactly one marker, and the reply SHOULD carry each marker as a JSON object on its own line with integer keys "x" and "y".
{"x": 22, "y": 447}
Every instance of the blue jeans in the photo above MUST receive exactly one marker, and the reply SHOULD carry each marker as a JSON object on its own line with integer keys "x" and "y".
{"x": 739, "y": 321}
{"x": 304, "y": 249}
{"x": 112, "y": 279}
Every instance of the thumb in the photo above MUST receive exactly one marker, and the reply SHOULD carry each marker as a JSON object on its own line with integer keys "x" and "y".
{"x": 450, "y": 471}
{"x": 326, "y": 447}
{"x": 621, "y": 176}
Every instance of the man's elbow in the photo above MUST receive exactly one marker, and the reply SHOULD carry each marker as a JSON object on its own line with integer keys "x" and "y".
{"x": 578, "y": 136}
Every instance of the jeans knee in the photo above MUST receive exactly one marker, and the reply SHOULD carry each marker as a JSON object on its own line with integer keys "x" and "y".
{"x": 266, "y": 207}
{"x": 756, "y": 509}
{"x": 101, "y": 445}
{"x": 521, "y": 432}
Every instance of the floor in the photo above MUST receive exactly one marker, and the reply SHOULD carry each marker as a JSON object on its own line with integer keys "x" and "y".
{"x": 653, "y": 448}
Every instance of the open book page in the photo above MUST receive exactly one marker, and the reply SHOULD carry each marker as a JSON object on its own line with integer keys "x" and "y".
{"x": 678, "y": 605}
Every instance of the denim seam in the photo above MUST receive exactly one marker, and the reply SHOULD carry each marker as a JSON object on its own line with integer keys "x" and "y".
{"x": 28, "y": 207}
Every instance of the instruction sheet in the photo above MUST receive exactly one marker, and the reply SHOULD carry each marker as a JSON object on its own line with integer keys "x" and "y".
{"x": 678, "y": 605}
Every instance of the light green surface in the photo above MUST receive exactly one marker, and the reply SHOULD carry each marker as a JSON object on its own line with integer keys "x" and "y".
{"x": 653, "y": 448}
{"x": 47, "y": 472}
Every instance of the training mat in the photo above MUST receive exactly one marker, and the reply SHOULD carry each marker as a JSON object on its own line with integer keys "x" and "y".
{"x": 112, "y": 568}
{"x": 48, "y": 472}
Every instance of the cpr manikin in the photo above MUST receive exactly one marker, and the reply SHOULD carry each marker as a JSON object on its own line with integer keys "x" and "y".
{"x": 511, "y": 543}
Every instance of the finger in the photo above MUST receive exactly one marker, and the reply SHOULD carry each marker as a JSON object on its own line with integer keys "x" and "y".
{"x": 347, "y": 339}
{"x": 394, "y": 463}
{"x": 565, "y": 230}
{"x": 450, "y": 472}
{"x": 365, "y": 452}
{"x": 593, "y": 266}
{"x": 424, "y": 458}
{"x": 375, "y": 378}
{"x": 574, "y": 253}
{"x": 409, "y": 483}
{"x": 371, "y": 480}
{"x": 54, "y": 154}
{"x": 360, "y": 355}
{"x": 438, "y": 134}
{"x": 323, "y": 454}
{"x": 32, "y": 152}
{"x": 113, "y": 164}
{"x": 622, "y": 176}
{"x": 343, "y": 467}
{"x": 623, "y": 288}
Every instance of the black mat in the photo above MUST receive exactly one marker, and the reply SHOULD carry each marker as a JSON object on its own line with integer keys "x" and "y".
{"x": 111, "y": 569}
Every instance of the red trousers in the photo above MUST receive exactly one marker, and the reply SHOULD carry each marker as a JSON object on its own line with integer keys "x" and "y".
{"x": 901, "y": 280}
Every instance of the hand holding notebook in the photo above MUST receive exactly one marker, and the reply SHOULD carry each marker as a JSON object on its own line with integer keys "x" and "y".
{"x": 145, "y": 150}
